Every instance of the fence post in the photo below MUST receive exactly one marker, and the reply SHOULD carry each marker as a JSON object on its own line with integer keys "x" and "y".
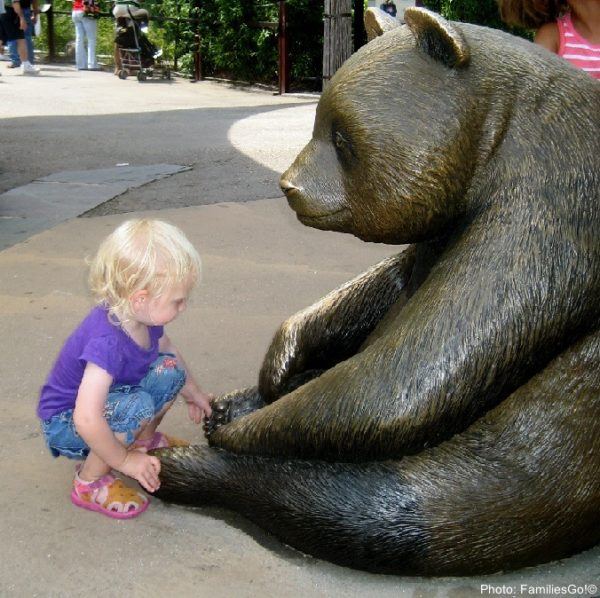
{"x": 197, "y": 59}
{"x": 51, "y": 44}
{"x": 282, "y": 45}
{"x": 337, "y": 36}
{"x": 360, "y": 35}
{"x": 177, "y": 29}
{"x": 197, "y": 50}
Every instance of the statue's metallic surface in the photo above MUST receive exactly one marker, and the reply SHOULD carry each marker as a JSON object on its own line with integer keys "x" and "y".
{"x": 440, "y": 413}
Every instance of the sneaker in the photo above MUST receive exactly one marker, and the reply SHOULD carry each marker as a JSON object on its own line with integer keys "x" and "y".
{"x": 29, "y": 69}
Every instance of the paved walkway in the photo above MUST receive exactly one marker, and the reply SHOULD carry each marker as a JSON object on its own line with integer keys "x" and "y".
{"x": 260, "y": 265}
{"x": 232, "y": 140}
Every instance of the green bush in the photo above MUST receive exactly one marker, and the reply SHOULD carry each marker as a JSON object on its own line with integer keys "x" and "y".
{"x": 305, "y": 35}
{"x": 479, "y": 12}
{"x": 231, "y": 43}
{"x": 235, "y": 45}
{"x": 64, "y": 30}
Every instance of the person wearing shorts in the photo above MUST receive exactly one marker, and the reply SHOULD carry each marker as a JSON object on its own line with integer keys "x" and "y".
{"x": 30, "y": 11}
{"x": 13, "y": 25}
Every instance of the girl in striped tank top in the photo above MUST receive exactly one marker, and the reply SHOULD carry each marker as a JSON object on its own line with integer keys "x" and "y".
{"x": 569, "y": 28}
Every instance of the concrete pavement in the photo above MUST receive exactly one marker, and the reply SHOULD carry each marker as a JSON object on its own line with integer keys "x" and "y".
{"x": 260, "y": 265}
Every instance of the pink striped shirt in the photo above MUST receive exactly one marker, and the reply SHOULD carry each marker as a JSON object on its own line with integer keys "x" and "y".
{"x": 576, "y": 49}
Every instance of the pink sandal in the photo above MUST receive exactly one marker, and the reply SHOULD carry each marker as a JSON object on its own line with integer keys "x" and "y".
{"x": 110, "y": 496}
{"x": 158, "y": 440}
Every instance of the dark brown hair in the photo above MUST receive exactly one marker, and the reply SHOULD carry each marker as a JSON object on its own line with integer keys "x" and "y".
{"x": 531, "y": 14}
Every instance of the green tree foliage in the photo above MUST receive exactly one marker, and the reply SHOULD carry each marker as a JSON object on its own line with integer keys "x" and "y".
{"x": 64, "y": 30}
{"x": 235, "y": 42}
{"x": 172, "y": 28}
{"x": 305, "y": 31}
{"x": 480, "y": 12}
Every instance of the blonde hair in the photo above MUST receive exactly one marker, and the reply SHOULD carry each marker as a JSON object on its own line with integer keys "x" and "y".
{"x": 531, "y": 14}
{"x": 143, "y": 254}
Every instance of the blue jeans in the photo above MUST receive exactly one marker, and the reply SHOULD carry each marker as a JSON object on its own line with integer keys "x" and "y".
{"x": 85, "y": 28}
{"x": 125, "y": 409}
{"x": 12, "y": 45}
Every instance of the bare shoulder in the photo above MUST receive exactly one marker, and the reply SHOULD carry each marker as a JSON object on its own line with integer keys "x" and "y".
{"x": 547, "y": 36}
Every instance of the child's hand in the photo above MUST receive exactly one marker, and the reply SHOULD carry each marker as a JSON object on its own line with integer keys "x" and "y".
{"x": 143, "y": 468}
{"x": 199, "y": 405}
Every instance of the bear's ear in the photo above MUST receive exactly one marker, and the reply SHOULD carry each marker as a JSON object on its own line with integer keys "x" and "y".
{"x": 377, "y": 22}
{"x": 438, "y": 37}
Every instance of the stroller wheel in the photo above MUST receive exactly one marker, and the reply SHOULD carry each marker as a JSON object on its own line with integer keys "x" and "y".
{"x": 122, "y": 74}
{"x": 141, "y": 76}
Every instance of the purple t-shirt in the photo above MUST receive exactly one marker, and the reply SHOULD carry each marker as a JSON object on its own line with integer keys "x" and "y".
{"x": 103, "y": 343}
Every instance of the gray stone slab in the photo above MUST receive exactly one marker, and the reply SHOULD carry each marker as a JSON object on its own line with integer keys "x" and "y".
{"x": 132, "y": 176}
{"x": 47, "y": 201}
{"x": 65, "y": 200}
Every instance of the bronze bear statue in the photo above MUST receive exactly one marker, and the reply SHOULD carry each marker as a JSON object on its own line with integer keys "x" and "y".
{"x": 440, "y": 413}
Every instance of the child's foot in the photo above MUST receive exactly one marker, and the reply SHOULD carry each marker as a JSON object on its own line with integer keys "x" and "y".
{"x": 109, "y": 496}
{"x": 158, "y": 440}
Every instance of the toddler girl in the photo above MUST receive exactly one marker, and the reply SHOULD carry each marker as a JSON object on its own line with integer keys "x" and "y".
{"x": 118, "y": 373}
{"x": 569, "y": 28}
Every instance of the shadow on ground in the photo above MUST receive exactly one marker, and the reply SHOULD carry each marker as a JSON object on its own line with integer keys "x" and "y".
{"x": 198, "y": 138}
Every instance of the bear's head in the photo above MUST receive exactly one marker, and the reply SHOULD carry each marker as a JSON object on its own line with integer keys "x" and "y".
{"x": 401, "y": 130}
{"x": 389, "y": 156}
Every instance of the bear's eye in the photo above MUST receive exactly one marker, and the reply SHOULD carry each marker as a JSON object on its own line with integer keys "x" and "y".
{"x": 339, "y": 140}
{"x": 343, "y": 147}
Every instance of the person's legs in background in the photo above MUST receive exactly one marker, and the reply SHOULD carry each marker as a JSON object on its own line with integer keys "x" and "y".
{"x": 13, "y": 50}
{"x": 91, "y": 26}
{"x": 15, "y": 60}
{"x": 16, "y": 38}
{"x": 29, "y": 35}
{"x": 2, "y": 41}
{"x": 26, "y": 66}
{"x": 80, "y": 54}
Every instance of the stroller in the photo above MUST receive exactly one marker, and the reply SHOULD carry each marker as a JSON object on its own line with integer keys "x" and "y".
{"x": 137, "y": 54}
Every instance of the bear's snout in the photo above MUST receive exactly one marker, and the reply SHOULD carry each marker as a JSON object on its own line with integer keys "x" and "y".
{"x": 287, "y": 186}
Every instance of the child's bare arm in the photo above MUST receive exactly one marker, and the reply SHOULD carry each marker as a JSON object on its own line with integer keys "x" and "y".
{"x": 93, "y": 428}
{"x": 197, "y": 400}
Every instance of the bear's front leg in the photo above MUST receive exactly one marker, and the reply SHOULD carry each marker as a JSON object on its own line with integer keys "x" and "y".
{"x": 320, "y": 336}
{"x": 465, "y": 340}
{"x": 233, "y": 405}
{"x": 334, "y": 328}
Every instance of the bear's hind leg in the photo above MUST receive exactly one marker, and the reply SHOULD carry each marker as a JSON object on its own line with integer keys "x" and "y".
{"x": 519, "y": 487}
